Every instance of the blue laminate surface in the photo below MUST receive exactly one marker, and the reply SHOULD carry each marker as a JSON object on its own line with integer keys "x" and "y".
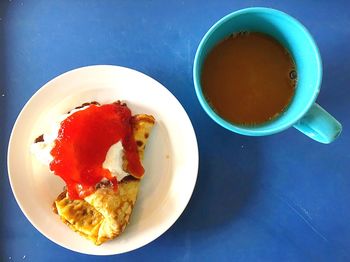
{"x": 277, "y": 198}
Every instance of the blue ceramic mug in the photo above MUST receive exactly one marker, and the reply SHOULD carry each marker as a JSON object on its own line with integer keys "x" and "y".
{"x": 302, "y": 113}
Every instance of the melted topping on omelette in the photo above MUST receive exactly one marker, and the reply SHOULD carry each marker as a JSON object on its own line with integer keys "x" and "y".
{"x": 83, "y": 141}
{"x": 105, "y": 214}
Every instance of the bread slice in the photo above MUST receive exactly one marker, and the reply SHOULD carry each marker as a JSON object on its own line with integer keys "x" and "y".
{"x": 105, "y": 214}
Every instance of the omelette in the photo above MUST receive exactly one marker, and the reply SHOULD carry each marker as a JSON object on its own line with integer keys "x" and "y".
{"x": 104, "y": 214}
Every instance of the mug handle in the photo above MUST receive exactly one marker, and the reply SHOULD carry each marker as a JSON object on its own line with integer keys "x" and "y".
{"x": 319, "y": 125}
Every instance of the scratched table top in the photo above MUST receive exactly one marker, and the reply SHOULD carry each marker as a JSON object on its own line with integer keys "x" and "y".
{"x": 277, "y": 198}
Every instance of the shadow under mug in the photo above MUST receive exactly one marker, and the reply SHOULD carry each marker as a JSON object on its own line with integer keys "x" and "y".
{"x": 302, "y": 113}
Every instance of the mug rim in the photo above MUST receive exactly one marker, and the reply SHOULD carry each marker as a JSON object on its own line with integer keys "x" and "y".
{"x": 249, "y": 130}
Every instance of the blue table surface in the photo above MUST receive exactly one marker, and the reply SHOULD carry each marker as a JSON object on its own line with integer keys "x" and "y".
{"x": 277, "y": 198}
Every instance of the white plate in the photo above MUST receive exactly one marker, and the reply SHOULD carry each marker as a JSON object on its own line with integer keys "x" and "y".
{"x": 171, "y": 157}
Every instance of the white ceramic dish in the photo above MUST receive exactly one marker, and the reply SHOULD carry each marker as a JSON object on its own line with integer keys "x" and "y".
{"x": 171, "y": 158}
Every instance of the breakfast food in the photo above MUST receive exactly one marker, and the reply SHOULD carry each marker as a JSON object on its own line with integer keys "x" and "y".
{"x": 97, "y": 150}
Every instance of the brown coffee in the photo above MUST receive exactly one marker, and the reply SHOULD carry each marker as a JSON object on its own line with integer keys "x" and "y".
{"x": 249, "y": 78}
